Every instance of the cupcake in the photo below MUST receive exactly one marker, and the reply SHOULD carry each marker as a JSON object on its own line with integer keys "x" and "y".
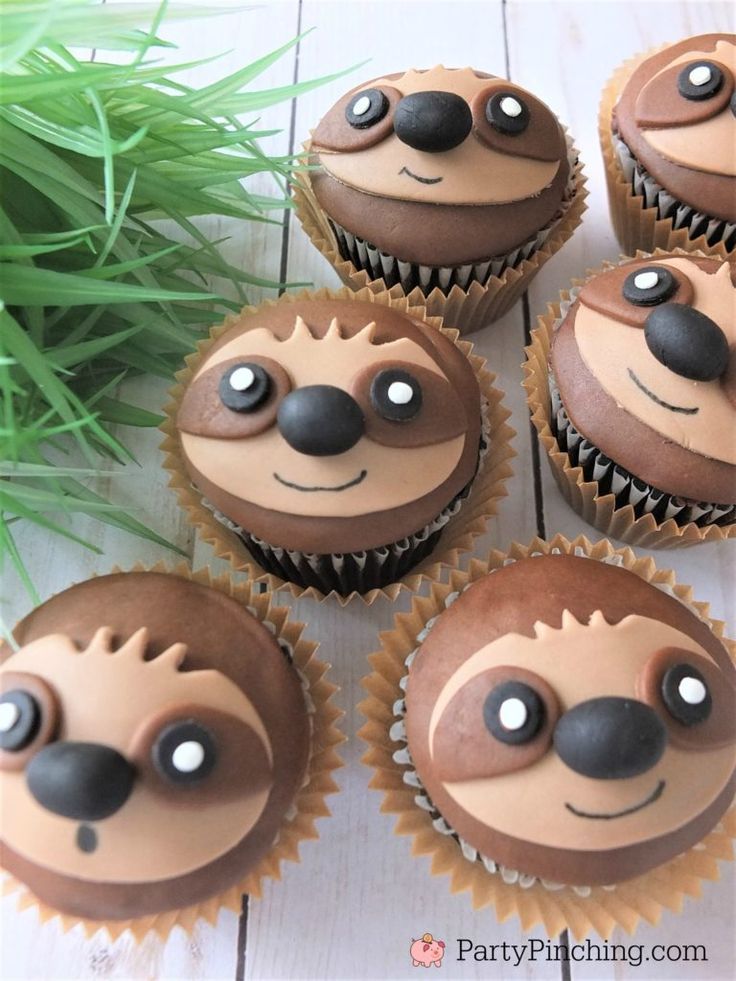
{"x": 335, "y": 438}
{"x": 638, "y": 396}
{"x": 565, "y": 731}
{"x": 668, "y": 133}
{"x": 157, "y": 737}
{"x": 448, "y": 181}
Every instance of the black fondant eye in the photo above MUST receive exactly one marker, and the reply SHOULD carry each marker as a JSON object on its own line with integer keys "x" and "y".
{"x": 396, "y": 395}
{"x": 687, "y": 342}
{"x": 649, "y": 286}
{"x": 20, "y": 718}
{"x": 185, "y": 752}
{"x": 513, "y": 713}
{"x": 366, "y": 108}
{"x": 699, "y": 80}
{"x": 686, "y": 694}
{"x": 507, "y": 113}
{"x": 245, "y": 387}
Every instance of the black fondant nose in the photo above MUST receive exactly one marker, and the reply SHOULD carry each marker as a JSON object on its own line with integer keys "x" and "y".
{"x": 320, "y": 420}
{"x": 432, "y": 121}
{"x": 610, "y": 738}
{"x": 687, "y": 341}
{"x": 83, "y": 781}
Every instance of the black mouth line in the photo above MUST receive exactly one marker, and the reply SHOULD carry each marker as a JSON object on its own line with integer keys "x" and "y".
{"x": 86, "y": 839}
{"x": 341, "y": 487}
{"x": 422, "y": 180}
{"x": 659, "y": 401}
{"x": 654, "y": 796}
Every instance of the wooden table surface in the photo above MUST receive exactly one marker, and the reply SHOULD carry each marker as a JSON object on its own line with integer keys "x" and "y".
{"x": 351, "y": 906}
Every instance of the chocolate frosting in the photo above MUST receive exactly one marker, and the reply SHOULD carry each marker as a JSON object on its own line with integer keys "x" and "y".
{"x": 645, "y": 103}
{"x": 446, "y": 428}
{"x": 578, "y": 605}
{"x": 656, "y": 457}
{"x": 225, "y": 645}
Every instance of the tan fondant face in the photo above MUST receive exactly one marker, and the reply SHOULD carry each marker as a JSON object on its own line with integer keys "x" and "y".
{"x": 181, "y": 813}
{"x": 527, "y": 790}
{"x": 488, "y": 166}
{"x": 699, "y": 415}
{"x": 391, "y": 464}
{"x": 705, "y": 140}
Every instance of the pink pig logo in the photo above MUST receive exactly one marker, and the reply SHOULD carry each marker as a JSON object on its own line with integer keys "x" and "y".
{"x": 427, "y": 951}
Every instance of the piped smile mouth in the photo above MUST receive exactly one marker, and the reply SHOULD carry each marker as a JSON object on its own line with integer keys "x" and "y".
{"x": 654, "y": 796}
{"x": 310, "y": 490}
{"x": 86, "y": 839}
{"x": 655, "y": 398}
{"x": 422, "y": 180}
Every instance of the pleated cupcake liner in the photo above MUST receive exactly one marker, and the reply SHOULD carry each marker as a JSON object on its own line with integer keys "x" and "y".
{"x": 645, "y": 215}
{"x": 628, "y": 489}
{"x": 696, "y": 223}
{"x": 536, "y": 902}
{"x": 429, "y": 551}
{"x": 467, "y": 297}
{"x": 601, "y": 491}
{"x": 309, "y": 804}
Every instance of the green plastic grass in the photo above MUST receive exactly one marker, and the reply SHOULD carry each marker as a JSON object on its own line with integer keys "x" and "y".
{"x": 91, "y": 155}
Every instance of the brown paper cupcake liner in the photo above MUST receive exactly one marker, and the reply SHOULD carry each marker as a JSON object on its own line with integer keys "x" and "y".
{"x": 582, "y": 910}
{"x": 470, "y": 515}
{"x": 466, "y": 308}
{"x": 644, "y": 215}
{"x": 604, "y": 494}
{"x": 310, "y": 802}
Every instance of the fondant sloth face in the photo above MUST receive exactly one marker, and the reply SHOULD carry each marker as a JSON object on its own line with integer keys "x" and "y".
{"x": 659, "y": 336}
{"x": 588, "y": 738}
{"x": 332, "y": 426}
{"x": 442, "y": 136}
{"x": 134, "y": 789}
{"x": 687, "y": 109}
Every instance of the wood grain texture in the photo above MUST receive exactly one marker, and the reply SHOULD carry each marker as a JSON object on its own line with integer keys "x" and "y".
{"x": 357, "y": 898}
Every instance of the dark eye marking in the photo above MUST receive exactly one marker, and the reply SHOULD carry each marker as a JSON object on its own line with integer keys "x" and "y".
{"x": 185, "y": 752}
{"x": 686, "y": 694}
{"x": 700, "y": 80}
{"x": 396, "y": 395}
{"x": 508, "y": 113}
{"x": 20, "y": 719}
{"x": 245, "y": 387}
{"x": 366, "y": 108}
{"x": 513, "y": 713}
{"x": 649, "y": 286}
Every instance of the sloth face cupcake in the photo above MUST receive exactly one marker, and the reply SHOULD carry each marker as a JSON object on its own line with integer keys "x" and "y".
{"x": 673, "y": 132}
{"x": 440, "y": 178}
{"x": 571, "y": 722}
{"x": 153, "y": 739}
{"x": 332, "y": 435}
{"x": 643, "y": 380}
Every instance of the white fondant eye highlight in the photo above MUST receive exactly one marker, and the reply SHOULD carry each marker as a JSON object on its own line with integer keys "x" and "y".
{"x": 400, "y": 393}
{"x": 700, "y": 75}
{"x": 692, "y": 691}
{"x": 513, "y": 714}
{"x": 511, "y": 106}
{"x": 188, "y": 756}
{"x": 646, "y": 280}
{"x": 241, "y": 379}
{"x": 9, "y": 715}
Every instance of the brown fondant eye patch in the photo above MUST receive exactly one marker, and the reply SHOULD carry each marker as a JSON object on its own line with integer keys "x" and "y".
{"x": 408, "y": 405}
{"x": 29, "y": 718}
{"x": 692, "y": 697}
{"x": 627, "y": 293}
{"x": 194, "y": 754}
{"x": 359, "y": 120}
{"x": 501, "y": 720}
{"x": 234, "y": 399}
{"x": 683, "y": 95}
{"x": 512, "y": 121}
